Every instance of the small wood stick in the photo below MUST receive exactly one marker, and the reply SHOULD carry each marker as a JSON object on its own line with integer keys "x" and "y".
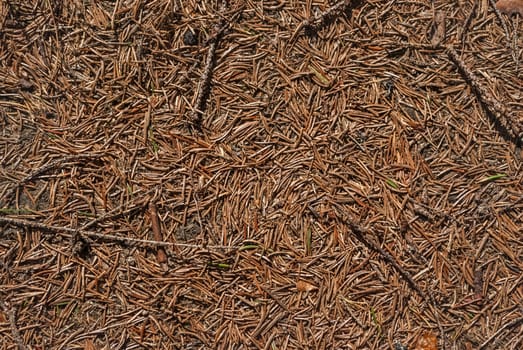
{"x": 55, "y": 164}
{"x": 320, "y": 20}
{"x": 464, "y": 29}
{"x": 496, "y": 108}
{"x": 205, "y": 86}
{"x": 10, "y": 312}
{"x": 511, "y": 324}
{"x": 317, "y": 22}
{"x": 146, "y": 125}
{"x": 361, "y": 234}
{"x": 498, "y": 15}
{"x": 439, "y": 29}
{"x": 68, "y": 232}
{"x": 157, "y": 233}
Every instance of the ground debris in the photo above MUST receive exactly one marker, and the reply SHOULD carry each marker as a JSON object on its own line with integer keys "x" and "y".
{"x": 260, "y": 174}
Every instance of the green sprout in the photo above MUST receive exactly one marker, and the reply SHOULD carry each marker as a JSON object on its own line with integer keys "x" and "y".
{"x": 392, "y": 183}
{"x": 308, "y": 241}
{"x": 493, "y": 178}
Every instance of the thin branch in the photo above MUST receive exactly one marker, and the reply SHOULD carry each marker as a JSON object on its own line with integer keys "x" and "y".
{"x": 466, "y": 26}
{"x": 206, "y": 78}
{"x": 511, "y": 324}
{"x": 492, "y": 105}
{"x": 363, "y": 236}
{"x": 438, "y": 29}
{"x": 55, "y": 164}
{"x": 500, "y": 18}
{"x": 67, "y": 232}
{"x": 11, "y": 313}
{"x": 205, "y": 86}
{"x": 323, "y": 18}
{"x": 319, "y": 21}
{"x": 515, "y": 51}
{"x": 113, "y": 214}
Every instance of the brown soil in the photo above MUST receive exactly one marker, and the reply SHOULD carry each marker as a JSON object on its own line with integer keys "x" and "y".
{"x": 323, "y": 179}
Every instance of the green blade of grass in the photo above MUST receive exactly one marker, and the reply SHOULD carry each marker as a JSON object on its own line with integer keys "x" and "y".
{"x": 14, "y": 211}
{"x": 308, "y": 241}
{"x": 324, "y": 80}
{"x": 493, "y": 178}
{"x": 221, "y": 266}
{"x": 392, "y": 183}
{"x": 248, "y": 247}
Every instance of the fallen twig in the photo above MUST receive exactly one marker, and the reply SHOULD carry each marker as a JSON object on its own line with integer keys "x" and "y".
{"x": 511, "y": 324}
{"x": 317, "y": 22}
{"x": 492, "y": 105}
{"x": 205, "y": 86}
{"x": 113, "y": 214}
{"x": 364, "y": 236}
{"x": 119, "y": 211}
{"x": 438, "y": 29}
{"x": 10, "y": 312}
{"x": 68, "y": 232}
{"x": 466, "y": 26}
{"x": 500, "y": 18}
{"x": 206, "y": 78}
{"x": 323, "y": 18}
{"x": 8, "y": 197}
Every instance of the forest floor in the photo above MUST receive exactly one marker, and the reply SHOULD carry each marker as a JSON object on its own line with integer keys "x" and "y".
{"x": 260, "y": 175}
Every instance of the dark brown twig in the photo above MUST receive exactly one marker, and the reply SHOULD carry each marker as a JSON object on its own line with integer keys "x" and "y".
{"x": 492, "y": 105}
{"x": 363, "y": 235}
{"x": 438, "y": 29}
{"x": 464, "y": 29}
{"x": 113, "y": 214}
{"x": 323, "y": 18}
{"x": 11, "y": 312}
{"x": 8, "y": 197}
{"x": 206, "y": 78}
{"x": 205, "y": 86}
{"x": 317, "y": 22}
{"x": 511, "y": 324}
{"x": 500, "y": 18}
{"x": 515, "y": 51}
{"x": 68, "y": 232}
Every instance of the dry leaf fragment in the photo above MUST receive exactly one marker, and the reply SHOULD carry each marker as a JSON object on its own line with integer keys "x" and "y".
{"x": 427, "y": 341}
{"x": 510, "y": 7}
{"x": 155, "y": 222}
{"x": 304, "y": 286}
